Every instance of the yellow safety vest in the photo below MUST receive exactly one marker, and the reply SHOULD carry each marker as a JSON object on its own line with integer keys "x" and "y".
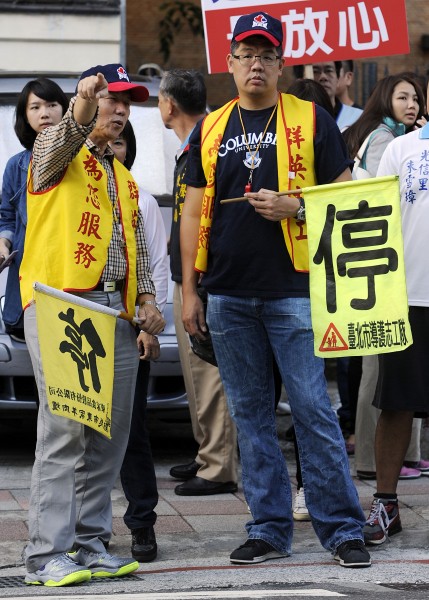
{"x": 70, "y": 227}
{"x": 295, "y": 128}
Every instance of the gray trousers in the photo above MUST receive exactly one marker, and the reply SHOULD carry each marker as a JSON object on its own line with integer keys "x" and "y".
{"x": 76, "y": 467}
{"x": 367, "y": 417}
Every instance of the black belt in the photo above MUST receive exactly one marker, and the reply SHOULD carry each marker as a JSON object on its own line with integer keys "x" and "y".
{"x": 110, "y": 286}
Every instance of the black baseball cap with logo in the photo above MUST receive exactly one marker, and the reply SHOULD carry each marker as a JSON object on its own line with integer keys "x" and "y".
{"x": 259, "y": 23}
{"x": 118, "y": 81}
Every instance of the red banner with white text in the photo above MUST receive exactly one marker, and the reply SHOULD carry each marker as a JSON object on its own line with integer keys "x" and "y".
{"x": 314, "y": 30}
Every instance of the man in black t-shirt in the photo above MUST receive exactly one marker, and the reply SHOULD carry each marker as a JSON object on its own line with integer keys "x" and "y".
{"x": 252, "y": 254}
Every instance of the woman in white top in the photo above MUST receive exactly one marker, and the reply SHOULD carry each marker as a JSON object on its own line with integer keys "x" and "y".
{"x": 394, "y": 108}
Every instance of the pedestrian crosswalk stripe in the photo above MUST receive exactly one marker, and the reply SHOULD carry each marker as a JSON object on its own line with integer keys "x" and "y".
{"x": 209, "y": 595}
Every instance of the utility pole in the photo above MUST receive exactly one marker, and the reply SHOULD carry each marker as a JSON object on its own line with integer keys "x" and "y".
{"x": 123, "y": 40}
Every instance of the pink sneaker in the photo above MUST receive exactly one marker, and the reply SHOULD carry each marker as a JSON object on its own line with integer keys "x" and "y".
{"x": 408, "y": 473}
{"x": 423, "y": 466}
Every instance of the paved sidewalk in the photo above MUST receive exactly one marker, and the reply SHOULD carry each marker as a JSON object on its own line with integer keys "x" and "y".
{"x": 196, "y": 535}
{"x": 194, "y": 528}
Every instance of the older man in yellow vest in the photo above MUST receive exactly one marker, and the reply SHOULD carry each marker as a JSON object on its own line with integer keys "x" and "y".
{"x": 84, "y": 235}
{"x": 254, "y": 258}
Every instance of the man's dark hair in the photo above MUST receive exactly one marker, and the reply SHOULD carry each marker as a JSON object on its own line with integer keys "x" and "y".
{"x": 338, "y": 67}
{"x": 348, "y": 66}
{"x": 187, "y": 88}
{"x": 43, "y": 88}
{"x": 298, "y": 71}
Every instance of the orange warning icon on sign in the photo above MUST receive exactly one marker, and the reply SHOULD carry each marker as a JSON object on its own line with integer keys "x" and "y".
{"x": 332, "y": 340}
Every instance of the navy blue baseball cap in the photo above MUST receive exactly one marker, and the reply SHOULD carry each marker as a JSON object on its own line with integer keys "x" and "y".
{"x": 259, "y": 23}
{"x": 118, "y": 81}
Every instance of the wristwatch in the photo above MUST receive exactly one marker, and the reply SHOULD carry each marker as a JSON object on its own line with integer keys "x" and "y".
{"x": 153, "y": 302}
{"x": 300, "y": 215}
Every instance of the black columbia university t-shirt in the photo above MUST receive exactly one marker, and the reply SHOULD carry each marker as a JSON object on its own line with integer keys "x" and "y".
{"x": 247, "y": 253}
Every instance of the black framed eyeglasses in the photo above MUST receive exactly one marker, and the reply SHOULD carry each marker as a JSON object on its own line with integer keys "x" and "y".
{"x": 267, "y": 60}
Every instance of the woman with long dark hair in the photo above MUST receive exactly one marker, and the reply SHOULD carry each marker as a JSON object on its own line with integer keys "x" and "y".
{"x": 393, "y": 108}
{"x": 41, "y": 104}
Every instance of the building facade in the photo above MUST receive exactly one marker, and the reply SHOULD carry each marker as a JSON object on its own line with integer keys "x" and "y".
{"x": 52, "y": 36}
{"x": 69, "y": 35}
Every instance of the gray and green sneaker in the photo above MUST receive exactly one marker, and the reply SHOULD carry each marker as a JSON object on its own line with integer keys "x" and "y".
{"x": 103, "y": 564}
{"x": 61, "y": 570}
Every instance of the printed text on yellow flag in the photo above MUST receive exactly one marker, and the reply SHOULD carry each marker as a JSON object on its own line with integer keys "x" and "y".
{"x": 357, "y": 276}
{"x": 77, "y": 350}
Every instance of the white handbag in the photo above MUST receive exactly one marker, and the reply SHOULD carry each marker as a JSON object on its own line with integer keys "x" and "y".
{"x": 358, "y": 171}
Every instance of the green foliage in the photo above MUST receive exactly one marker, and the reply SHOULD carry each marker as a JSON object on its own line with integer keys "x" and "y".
{"x": 177, "y": 14}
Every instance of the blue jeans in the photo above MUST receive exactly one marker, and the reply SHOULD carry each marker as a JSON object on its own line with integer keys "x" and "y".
{"x": 246, "y": 333}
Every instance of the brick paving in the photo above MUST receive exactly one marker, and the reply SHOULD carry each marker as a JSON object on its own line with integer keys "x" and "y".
{"x": 177, "y": 515}
{"x": 195, "y": 526}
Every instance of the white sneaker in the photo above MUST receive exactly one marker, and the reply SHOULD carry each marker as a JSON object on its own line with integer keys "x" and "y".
{"x": 283, "y": 408}
{"x": 300, "y": 512}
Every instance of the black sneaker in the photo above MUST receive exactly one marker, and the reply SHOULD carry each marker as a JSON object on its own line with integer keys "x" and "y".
{"x": 353, "y": 554}
{"x": 143, "y": 544}
{"x": 255, "y": 551}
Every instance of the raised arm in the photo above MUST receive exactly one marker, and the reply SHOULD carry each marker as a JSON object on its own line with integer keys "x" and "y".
{"x": 57, "y": 146}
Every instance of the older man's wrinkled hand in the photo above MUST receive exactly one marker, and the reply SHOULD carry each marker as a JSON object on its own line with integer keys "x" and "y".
{"x": 151, "y": 320}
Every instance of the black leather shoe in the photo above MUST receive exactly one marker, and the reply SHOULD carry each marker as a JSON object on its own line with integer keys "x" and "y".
{"x": 366, "y": 474}
{"x": 143, "y": 544}
{"x": 185, "y": 472}
{"x": 197, "y": 486}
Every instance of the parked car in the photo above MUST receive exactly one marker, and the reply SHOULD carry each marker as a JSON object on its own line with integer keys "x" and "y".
{"x": 153, "y": 171}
